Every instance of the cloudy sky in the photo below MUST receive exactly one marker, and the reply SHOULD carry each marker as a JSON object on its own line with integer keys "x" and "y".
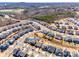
{"x": 39, "y": 0}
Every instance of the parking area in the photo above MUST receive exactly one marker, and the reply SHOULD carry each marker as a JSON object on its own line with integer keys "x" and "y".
{"x": 33, "y": 39}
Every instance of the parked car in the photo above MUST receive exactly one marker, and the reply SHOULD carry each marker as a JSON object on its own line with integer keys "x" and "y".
{"x": 48, "y": 37}
{"x": 75, "y": 28}
{"x": 50, "y": 34}
{"x": 70, "y": 27}
{"x": 4, "y": 47}
{"x": 30, "y": 22}
{"x": 19, "y": 53}
{"x": 44, "y": 47}
{"x": 75, "y": 54}
{"x": 66, "y": 53}
{"x": 11, "y": 41}
{"x": 54, "y": 29}
{"x": 38, "y": 45}
{"x": 15, "y": 51}
{"x": 77, "y": 23}
{"x": 16, "y": 36}
{"x": 70, "y": 32}
{"x": 76, "y": 40}
{"x": 66, "y": 23}
{"x": 36, "y": 26}
{"x": 44, "y": 32}
{"x": 51, "y": 49}
{"x": 68, "y": 39}
{"x": 31, "y": 41}
{"x": 58, "y": 52}
{"x": 58, "y": 37}
{"x": 77, "y": 32}
{"x": 2, "y": 36}
{"x": 61, "y": 30}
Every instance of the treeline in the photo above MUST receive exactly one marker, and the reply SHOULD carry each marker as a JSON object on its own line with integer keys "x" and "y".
{"x": 54, "y": 16}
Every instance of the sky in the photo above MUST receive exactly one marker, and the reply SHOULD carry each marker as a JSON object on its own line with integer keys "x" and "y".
{"x": 39, "y": 0}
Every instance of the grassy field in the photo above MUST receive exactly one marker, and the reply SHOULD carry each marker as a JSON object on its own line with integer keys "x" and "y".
{"x": 54, "y": 16}
{"x": 6, "y": 11}
{"x": 10, "y": 11}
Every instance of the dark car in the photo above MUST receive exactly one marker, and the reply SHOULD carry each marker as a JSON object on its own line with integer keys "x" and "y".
{"x": 21, "y": 54}
{"x": 16, "y": 36}
{"x": 58, "y": 52}
{"x": 29, "y": 30}
{"x": 32, "y": 43}
{"x": 38, "y": 45}
{"x": 48, "y": 48}
{"x": 66, "y": 53}
{"x": 58, "y": 37}
{"x": 70, "y": 27}
{"x": 48, "y": 37}
{"x": 76, "y": 40}
{"x": 15, "y": 51}
{"x": 75, "y": 28}
{"x": 68, "y": 39}
{"x": 50, "y": 34}
{"x": 50, "y": 27}
{"x": 61, "y": 30}
{"x": 4, "y": 47}
{"x": 45, "y": 32}
{"x": 11, "y": 42}
{"x": 70, "y": 32}
{"x": 30, "y": 22}
{"x": 51, "y": 49}
{"x": 44, "y": 47}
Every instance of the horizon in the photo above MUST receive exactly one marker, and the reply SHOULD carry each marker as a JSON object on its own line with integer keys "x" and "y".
{"x": 39, "y": 1}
